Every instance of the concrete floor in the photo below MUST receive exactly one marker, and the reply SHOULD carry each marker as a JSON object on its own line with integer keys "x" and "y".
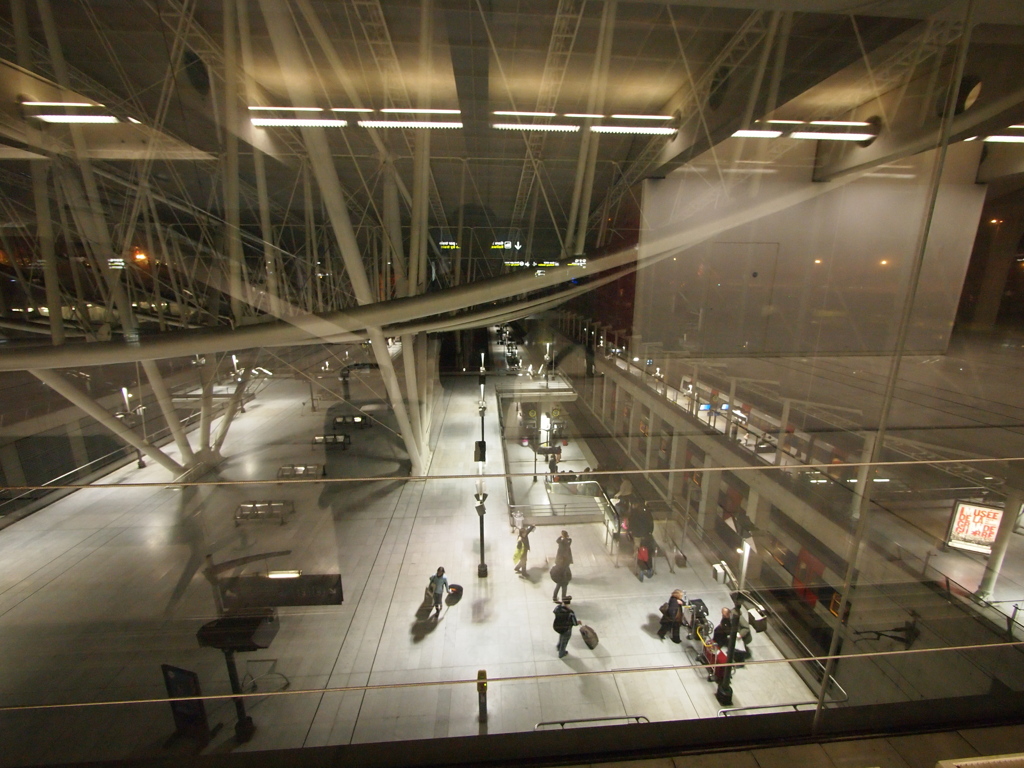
{"x": 101, "y": 588}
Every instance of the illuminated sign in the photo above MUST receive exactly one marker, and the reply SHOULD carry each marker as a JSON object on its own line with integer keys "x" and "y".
{"x": 973, "y": 527}
{"x": 115, "y": 262}
{"x": 522, "y": 263}
{"x": 506, "y": 245}
{"x": 580, "y": 262}
{"x": 448, "y": 245}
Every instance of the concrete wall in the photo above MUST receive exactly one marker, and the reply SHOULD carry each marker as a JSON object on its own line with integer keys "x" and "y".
{"x": 731, "y": 254}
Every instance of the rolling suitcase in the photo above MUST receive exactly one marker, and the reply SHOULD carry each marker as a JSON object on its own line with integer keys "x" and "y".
{"x": 589, "y": 636}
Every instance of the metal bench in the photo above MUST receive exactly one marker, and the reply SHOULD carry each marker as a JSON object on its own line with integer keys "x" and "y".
{"x": 289, "y": 471}
{"x": 353, "y": 420}
{"x": 342, "y": 439}
{"x": 264, "y": 510}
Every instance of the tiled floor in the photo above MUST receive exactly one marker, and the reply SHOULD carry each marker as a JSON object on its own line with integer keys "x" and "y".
{"x": 100, "y": 588}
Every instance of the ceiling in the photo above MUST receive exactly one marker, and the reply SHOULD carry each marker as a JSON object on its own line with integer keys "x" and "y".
{"x": 712, "y": 68}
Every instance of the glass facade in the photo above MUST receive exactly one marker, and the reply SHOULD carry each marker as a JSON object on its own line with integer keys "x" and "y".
{"x": 703, "y": 315}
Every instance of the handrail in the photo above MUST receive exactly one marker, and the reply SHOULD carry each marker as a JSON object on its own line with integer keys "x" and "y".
{"x": 794, "y": 704}
{"x": 562, "y": 723}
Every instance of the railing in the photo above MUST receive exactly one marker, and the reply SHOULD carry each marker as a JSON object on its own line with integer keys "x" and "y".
{"x": 795, "y": 706}
{"x": 563, "y": 723}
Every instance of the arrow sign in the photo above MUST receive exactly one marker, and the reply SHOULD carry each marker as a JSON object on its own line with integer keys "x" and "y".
{"x": 518, "y": 245}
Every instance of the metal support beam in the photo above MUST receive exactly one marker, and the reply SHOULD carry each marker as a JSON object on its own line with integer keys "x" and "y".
{"x": 271, "y": 260}
{"x": 395, "y": 252}
{"x": 232, "y": 409}
{"x": 603, "y": 60}
{"x": 228, "y": 124}
{"x": 163, "y": 399}
{"x": 61, "y": 386}
{"x": 207, "y": 376}
{"x": 284, "y": 39}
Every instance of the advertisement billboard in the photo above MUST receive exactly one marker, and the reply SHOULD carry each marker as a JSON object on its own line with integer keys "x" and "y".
{"x": 973, "y": 527}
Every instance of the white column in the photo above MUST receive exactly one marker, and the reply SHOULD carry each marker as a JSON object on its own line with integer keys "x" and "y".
{"x": 1014, "y": 499}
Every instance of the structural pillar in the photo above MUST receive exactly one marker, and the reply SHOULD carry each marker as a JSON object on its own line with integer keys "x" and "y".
{"x": 1014, "y": 499}
{"x": 710, "y": 487}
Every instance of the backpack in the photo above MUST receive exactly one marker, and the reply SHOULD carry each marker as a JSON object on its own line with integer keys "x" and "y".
{"x": 563, "y": 619}
{"x": 642, "y": 555}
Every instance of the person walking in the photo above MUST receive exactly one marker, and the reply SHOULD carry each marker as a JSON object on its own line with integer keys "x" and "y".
{"x": 724, "y": 630}
{"x": 672, "y": 616}
{"x": 438, "y": 586}
{"x": 565, "y": 620}
{"x": 645, "y": 558}
{"x": 564, "y": 554}
{"x": 561, "y": 575}
{"x": 523, "y": 548}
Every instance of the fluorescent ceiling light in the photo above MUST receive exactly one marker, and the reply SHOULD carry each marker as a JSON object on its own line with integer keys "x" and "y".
{"x": 286, "y": 109}
{"x": 535, "y": 127}
{"x": 291, "y": 574}
{"x": 351, "y": 109}
{"x": 749, "y": 170}
{"x": 76, "y": 118}
{"x": 133, "y": 120}
{"x": 1005, "y": 139}
{"x": 755, "y": 134}
{"x": 633, "y": 129}
{"x": 642, "y": 117}
{"x": 59, "y": 104}
{"x": 785, "y": 122}
{"x": 887, "y": 175}
{"x": 524, "y": 114}
{"x": 849, "y": 123}
{"x": 584, "y": 115}
{"x": 296, "y": 122}
{"x": 1017, "y": 126}
{"x": 407, "y": 124}
{"x": 826, "y": 136}
{"x": 393, "y": 110}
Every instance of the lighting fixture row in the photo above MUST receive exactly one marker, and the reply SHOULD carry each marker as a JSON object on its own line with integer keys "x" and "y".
{"x": 300, "y": 122}
{"x": 426, "y": 111}
{"x": 316, "y": 122}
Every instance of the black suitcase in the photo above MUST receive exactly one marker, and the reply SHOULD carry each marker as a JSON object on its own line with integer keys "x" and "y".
{"x": 589, "y": 636}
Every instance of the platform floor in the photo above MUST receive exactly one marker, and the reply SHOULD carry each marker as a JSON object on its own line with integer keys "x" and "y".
{"x": 102, "y": 587}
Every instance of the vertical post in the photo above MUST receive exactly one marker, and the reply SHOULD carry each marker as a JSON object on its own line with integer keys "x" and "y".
{"x": 393, "y": 228}
{"x": 583, "y": 215}
{"x": 230, "y": 128}
{"x": 783, "y": 433}
{"x": 244, "y": 727}
{"x": 730, "y": 419}
{"x": 1014, "y": 499}
{"x": 44, "y": 223}
{"x": 458, "y": 228}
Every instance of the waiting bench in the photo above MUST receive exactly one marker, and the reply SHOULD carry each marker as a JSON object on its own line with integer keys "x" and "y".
{"x": 264, "y": 510}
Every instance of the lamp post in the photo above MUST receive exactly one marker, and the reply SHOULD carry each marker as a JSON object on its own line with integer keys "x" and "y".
{"x": 480, "y": 457}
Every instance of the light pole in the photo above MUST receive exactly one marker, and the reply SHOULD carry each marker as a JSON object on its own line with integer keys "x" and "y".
{"x": 480, "y": 457}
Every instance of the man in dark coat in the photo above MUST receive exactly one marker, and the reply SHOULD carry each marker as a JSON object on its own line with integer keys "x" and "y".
{"x": 565, "y": 620}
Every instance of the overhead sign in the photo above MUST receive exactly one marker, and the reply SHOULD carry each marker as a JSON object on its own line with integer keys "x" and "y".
{"x": 973, "y": 527}
{"x": 241, "y": 592}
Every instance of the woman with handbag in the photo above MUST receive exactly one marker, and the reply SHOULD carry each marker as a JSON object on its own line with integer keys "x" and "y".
{"x": 672, "y": 616}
